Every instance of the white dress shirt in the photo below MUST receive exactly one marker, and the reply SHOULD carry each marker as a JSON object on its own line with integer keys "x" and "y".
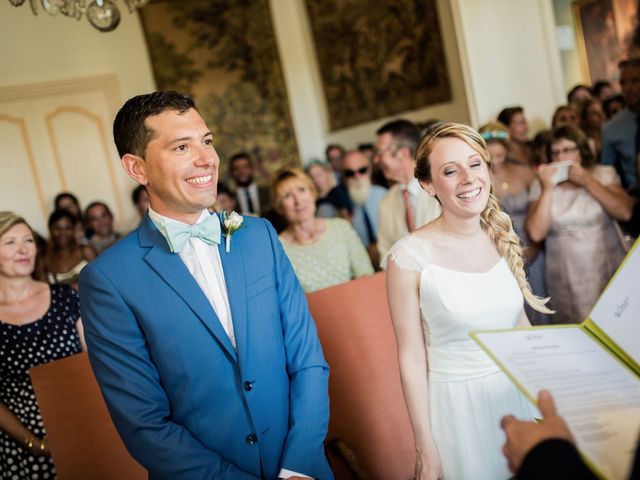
{"x": 241, "y": 195}
{"x": 204, "y": 264}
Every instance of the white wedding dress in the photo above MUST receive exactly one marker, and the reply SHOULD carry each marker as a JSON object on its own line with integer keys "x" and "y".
{"x": 468, "y": 393}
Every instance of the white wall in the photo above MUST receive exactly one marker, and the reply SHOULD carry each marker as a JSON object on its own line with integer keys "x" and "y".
{"x": 43, "y": 48}
{"x": 38, "y": 55}
{"x": 304, "y": 85}
{"x": 573, "y": 72}
{"x": 511, "y": 56}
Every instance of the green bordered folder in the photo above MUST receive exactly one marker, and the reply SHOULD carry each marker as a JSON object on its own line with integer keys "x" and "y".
{"x": 592, "y": 370}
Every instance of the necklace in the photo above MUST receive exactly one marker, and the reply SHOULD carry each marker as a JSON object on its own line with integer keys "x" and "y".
{"x": 307, "y": 239}
{"x": 461, "y": 235}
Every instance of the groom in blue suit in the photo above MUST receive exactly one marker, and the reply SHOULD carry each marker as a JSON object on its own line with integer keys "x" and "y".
{"x": 207, "y": 357}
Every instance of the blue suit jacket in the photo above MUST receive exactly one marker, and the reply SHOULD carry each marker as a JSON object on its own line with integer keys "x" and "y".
{"x": 186, "y": 404}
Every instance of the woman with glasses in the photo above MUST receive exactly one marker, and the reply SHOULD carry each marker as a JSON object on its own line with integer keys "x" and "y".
{"x": 323, "y": 251}
{"x": 574, "y": 208}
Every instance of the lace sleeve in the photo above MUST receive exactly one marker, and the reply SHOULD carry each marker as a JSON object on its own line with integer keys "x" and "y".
{"x": 407, "y": 254}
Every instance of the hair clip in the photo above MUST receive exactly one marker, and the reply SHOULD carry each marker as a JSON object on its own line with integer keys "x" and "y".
{"x": 495, "y": 135}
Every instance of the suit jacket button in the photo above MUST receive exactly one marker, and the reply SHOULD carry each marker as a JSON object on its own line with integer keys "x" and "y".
{"x": 252, "y": 439}
{"x": 248, "y": 386}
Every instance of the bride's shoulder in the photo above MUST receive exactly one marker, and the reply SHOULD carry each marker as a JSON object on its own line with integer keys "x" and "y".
{"x": 409, "y": 253}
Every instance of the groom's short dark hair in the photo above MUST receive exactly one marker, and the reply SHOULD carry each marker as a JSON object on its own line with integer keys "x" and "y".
{"x": 130, "y": 133}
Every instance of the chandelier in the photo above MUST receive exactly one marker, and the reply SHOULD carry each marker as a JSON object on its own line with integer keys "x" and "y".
{"x": 104, "y": 15}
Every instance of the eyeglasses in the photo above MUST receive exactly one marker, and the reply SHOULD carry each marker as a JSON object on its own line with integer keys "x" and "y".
{"x": 352, "y": 173}
{"x": 563, "y": 151}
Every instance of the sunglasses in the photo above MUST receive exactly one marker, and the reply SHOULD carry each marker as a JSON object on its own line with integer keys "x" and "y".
{"x": 352, "y": 173}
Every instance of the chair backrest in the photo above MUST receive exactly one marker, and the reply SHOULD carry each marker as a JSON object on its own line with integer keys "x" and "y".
{"x": 368, "y": 412}
{"x": 82, "y": 439}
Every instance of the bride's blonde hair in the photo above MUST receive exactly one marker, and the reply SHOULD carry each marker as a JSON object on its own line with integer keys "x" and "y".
{"x": 493, "y": 219}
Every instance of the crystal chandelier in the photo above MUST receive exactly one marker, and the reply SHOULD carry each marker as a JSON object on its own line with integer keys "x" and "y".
{"x": 102, "y": 14}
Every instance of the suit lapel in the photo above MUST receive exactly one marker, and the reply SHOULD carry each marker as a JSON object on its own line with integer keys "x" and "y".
{"x": 171, "y": 269}
{"x": 233, "y": 268}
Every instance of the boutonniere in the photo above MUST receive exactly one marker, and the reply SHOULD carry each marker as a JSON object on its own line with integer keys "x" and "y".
{"x": 231, "y": 222}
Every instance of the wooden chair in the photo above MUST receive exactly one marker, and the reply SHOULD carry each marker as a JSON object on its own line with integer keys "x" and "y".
{"x": 368, "y": 412}
{"x": 82, "y": 439}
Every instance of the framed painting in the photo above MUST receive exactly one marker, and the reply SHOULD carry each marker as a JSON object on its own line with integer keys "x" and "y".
{"x": 224, "y": 54}
{"x": 378, "y": 58}
{"x": 604, "y": 29}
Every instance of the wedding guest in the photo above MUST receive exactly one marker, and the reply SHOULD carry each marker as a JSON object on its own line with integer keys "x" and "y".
{"x": 511, "y": 185}
{"x": 140, "y": 200}
{"x": 620, "y": 134}
{"x": 578, "y": 95}
{"x": 253, "y": 199}
{"x": 65, "y": 258}
{"x": 68, "y": 201}
{"x": 206, "y": 356}
{"x": 406, "y": 206}
{"x": 539, "y": 147}
{"x": 323, "y": 251}
{"x": 226, "y": 200}
{"x": 565, "y": 115}
{"x": 366, "y": 198}
{"x": 577, "y": 220}
{"x": 602, "y": 89}
{"x": 462, "y": 272}
{"x": 334, "y": 153}
{"x": 613, "y": 105}
{"x": 591, "y": 121}
{"x": 519, "y": 146}
{"x": 38, "y": 324}
{"x": 324, "y": 182}
{"x": 99, "y": 221}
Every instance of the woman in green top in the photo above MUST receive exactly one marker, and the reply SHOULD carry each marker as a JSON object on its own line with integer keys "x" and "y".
{"x": 323, "y": 251}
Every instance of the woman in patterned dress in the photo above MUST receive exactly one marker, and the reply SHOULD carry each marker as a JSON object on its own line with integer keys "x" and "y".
{"x": 38, "y": 324}
{"x": 323, "y": 251}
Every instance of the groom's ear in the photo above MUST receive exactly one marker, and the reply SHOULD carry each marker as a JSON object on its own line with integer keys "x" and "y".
{"x": 135, "y": 167}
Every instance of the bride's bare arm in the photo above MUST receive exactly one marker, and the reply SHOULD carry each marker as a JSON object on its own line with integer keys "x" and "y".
{"x": 404, "y": 303}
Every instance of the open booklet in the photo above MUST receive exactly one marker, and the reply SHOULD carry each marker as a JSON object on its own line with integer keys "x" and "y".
{"x": 592, "y": 370}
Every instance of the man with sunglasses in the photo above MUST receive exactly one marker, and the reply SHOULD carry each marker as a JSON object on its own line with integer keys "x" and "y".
{"x": 356, "y": 175}
{"x": 406, "y": 206}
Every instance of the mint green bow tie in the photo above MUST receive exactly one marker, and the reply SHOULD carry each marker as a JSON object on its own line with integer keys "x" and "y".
{"x": 177, "y": 234}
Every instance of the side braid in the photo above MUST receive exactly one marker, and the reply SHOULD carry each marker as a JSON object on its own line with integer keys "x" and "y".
{"x": 499, "y": 227}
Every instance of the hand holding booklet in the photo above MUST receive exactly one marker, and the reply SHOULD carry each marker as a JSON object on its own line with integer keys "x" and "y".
{"x": 592, "y": 370}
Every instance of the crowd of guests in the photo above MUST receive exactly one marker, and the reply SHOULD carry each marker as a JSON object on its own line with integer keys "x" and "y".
{"x": 549, "y": 218}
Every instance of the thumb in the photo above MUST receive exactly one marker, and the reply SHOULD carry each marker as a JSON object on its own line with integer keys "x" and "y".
{"x": 546, "y": 405}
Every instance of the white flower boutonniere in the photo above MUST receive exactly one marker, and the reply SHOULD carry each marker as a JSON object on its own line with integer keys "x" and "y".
{"x": 231, "y": 222}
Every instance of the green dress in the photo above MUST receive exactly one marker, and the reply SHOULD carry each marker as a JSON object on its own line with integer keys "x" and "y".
{"x": 337, "y": 257}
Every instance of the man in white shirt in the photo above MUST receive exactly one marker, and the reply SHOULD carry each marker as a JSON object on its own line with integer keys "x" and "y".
{"x": 406, "y": 206}
{"x": 202, "y": 344}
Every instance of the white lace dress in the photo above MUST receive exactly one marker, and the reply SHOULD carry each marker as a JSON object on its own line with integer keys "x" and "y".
{"x": 468, "y": 394}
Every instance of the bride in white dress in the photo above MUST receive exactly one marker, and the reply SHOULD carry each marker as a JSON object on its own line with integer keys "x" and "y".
{"x": 463, "y": 271}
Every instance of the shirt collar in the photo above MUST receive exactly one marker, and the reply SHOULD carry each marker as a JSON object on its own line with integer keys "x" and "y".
{"x": 413, "y": 186}
{"x": 160, "y": 220}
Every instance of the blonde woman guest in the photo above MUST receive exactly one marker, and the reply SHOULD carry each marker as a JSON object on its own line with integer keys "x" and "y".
{"x": 323, "y": 251}
{"x": 38, "y": 323}
{"x": 463, "y": 271}
{"x": 577, "y": 220}
{"x": 512, "y": 181}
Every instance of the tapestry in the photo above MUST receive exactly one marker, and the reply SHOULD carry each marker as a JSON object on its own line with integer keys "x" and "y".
{"x": 378, "y": 58}
{"x": 224, "y": 54}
